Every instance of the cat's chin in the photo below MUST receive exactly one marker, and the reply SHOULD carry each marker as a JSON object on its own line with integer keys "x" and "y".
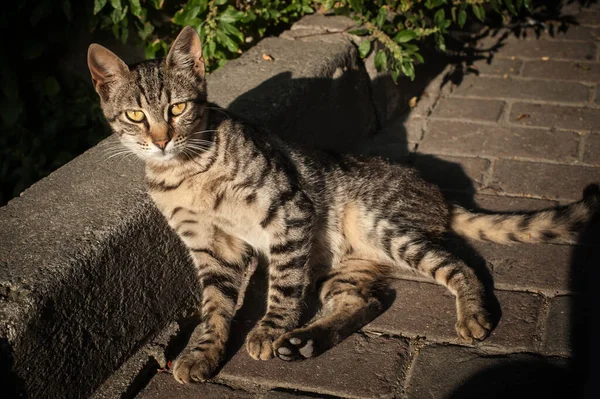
{"x": 161, "y": 158}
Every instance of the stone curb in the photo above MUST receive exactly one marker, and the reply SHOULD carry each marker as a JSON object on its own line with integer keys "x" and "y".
{"x": 89, "y": 271}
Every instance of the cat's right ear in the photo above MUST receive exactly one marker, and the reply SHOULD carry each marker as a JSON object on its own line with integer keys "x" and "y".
{"x": 105, "y": 67}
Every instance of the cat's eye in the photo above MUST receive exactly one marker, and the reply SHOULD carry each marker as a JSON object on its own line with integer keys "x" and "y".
{"x": 135, "y": 116}
{"x": 177, "y": 109}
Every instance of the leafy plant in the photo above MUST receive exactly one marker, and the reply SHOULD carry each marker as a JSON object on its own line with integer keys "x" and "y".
{"x": 48, "y": 115}
{"x": 400, "y": 24}
{"x": 228, "y": 27}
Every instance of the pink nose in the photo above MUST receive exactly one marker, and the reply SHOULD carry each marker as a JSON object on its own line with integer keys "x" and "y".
{"x": 162, "y": 144}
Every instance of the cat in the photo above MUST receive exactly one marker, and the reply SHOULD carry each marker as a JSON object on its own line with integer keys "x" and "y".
{"x": 232, "y": 193}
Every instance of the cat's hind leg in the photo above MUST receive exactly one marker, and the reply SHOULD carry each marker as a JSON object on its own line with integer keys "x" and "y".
{"x": 433, "y": 260}
{"x": 349, "y": 302}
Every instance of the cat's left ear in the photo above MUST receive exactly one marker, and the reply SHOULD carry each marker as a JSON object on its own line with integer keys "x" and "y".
{"x": 186, "y": 52}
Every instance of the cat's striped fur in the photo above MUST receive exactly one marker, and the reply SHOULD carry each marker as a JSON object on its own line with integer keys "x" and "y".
{"x": 232, "y": 193}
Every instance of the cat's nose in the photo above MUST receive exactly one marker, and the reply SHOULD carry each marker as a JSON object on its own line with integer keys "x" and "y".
{"x": 162, "y": 144}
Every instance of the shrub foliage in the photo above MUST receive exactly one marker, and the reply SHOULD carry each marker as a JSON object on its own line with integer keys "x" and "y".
{"x": 48, "y": 115}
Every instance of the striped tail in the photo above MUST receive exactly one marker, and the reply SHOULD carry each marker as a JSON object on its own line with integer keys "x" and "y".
{"x": 556, "y": 225}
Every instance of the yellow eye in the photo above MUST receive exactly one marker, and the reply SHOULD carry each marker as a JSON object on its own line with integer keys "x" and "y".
{"x": 135, "y": 116}
{"x": 177, "y": 109}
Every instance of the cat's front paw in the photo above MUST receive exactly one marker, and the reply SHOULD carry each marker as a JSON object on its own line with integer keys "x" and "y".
{"x": 193, "y": 366}
{"x": 475, "y": 325}
{"x": 259, "y": 342}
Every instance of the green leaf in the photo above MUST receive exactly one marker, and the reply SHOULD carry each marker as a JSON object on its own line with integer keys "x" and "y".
{"x": 510, "y": 6}
{"x": 462, "y": 18}
{"x": 249, "y": 17}
{"x": 98, "y": 5}
{"x": 157, "y": 4}
{"x": 230, "y": 15}
{"x": 186, "y": 16}
{"x": 227, "y": 41}
{"x": 453, "y": 13}
{"x": 439, "y": 16}
{"x": 519, "y": 4}
{"x": 408, "y": 69}
{"x": 328, "y": 4}
{"x": 145, "y": 30}
{"x": 307, "y": 9}
{"x": 136, "y": 8}
{"x": 381, "y": 16}
{"x": 364, "y": 48}
{"x": 359, "y": 32}
{"x": 381, "y": 60}
{"x": 220, "y": 2}
{"x": 357, "y": 5}
{"x": 395, "y": 73}
{"x": 117, "y": 16}
{"x": 116, "y": 4}
{"x": 479, "y": 12}
{"x": 232, "y": 30}
{"x": 527, "y": 4}
{"x": 419, "y": 57}
{"x": 411, "y": 48}
{"x": 405, "y": 36}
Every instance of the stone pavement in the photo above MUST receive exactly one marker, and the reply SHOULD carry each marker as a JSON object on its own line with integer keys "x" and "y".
{"x": 519, "y": 132}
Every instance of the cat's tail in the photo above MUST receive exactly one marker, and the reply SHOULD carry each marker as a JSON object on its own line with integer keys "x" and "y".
{"x": 556, "y": 225}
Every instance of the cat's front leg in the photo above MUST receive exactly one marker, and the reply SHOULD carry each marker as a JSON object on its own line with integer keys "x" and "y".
{"x": 288, "y": 278}
{"x": 221, "y": 282}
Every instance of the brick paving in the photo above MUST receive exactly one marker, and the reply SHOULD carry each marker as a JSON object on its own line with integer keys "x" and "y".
{"x": 523, "y": 133}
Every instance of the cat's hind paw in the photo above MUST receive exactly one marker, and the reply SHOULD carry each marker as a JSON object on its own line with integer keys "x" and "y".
{"x": 295, "y": 345}
{"x": 474, "y": 326}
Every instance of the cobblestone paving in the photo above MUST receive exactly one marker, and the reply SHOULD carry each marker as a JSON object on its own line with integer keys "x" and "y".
{"x": 521, "y": 132}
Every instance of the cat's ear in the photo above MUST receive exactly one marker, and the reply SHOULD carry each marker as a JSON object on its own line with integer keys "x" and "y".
{"x": 186, "y": 52}
{"x": 105, "y": 68}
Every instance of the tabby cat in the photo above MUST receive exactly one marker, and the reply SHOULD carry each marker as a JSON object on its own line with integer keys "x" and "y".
{"x": 232, "y": 193}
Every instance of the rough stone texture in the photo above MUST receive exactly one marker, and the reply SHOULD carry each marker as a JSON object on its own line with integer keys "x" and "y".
{"x": 528, "y": 266}
{"x": 521, "y": 89}
{"x": 453, "y": 173}
{"x": 506, "y": 204}
{"x": 558, "y": 339}
{"x": 545, "y": 180}
{"x": 429, "y": 311}
{"x": 459, "y": 108}
{"x": 556, "y": 50}
{"x": 163, "y": 385}
{"x": 568, "y": 32}
{"x": 591, "y": 153}
{"x": 333, "y": 373}
{"x": 419, "y": 310}
{"x": 589, "y": 17}
{"x": 548, "y": 115}
{"x": 499, "y": 67}
{"x": 455, "y": 372}
{"x": 450, "y": 137}
{"x": 82, "y": 300}
{"x": 94, "y": 290}
{"x": 563, "y": 70}
{"x": 289, "y": 395}
{"x": 305, "y": 77}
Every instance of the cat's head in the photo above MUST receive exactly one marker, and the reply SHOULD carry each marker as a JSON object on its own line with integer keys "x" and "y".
{"x": 157, "y": 107}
